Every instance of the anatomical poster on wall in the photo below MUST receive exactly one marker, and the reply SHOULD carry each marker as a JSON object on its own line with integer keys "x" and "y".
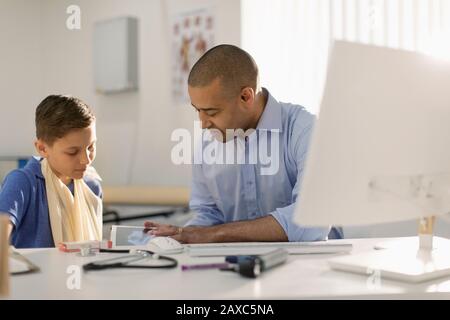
{"x": 192, "y": 35}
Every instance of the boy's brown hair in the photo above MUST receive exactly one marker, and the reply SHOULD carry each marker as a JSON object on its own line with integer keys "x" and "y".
{"x": 56, "y": 115}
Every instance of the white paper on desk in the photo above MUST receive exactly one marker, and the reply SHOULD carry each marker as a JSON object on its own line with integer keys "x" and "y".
{"x": 19, "y": 264}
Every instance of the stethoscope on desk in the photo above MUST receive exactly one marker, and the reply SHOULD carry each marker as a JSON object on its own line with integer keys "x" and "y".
{"x": 127, "y": 260}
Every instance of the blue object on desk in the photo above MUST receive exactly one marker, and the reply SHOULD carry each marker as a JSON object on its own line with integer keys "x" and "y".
{"x": 237, "y": 259}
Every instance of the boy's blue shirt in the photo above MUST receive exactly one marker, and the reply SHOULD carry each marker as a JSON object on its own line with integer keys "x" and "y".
{"x": 23, "y": 196}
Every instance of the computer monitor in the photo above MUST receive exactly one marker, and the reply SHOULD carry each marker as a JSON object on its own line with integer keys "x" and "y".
{"x": 380, "y": 150}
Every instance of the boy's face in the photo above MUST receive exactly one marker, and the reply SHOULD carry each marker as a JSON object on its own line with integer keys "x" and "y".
{"x": 70, "y": 156}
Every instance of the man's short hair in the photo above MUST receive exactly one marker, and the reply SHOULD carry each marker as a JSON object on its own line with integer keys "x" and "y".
{"x": 233, "y": 66}
{"x": 56, "y": 115}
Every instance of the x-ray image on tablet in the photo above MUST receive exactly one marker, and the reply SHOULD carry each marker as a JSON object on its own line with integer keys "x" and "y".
{"x": 129, "y": 237}
{"x": 138, "y": 238}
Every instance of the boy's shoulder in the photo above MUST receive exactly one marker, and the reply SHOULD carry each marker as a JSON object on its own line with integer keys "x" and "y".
{"x": 27, "y": 174}
{"x": 19, "y": 178}
{"x": 93, "y": 182}
{"x": 19, "y": 183}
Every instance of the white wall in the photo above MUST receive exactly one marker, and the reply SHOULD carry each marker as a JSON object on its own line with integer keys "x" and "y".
{"x": 133, "y": 128}
{"x": 292, "y": 50}
{"x": 20, "y": 74}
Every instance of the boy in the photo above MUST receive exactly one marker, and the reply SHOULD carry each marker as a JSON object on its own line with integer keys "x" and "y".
{"x": 56, "y": 197}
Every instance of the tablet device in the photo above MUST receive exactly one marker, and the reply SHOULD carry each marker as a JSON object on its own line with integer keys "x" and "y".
{"x": 129, "y": 237}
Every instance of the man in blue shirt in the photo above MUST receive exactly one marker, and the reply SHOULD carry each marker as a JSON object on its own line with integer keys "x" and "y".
{"x": 244, "y": 201}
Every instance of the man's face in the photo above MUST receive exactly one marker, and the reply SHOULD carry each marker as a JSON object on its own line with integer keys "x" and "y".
{"x": 70, "y": 156}
{"x": 216, "y": 110}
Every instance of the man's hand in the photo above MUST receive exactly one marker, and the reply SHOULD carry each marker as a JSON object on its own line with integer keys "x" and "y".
{"x": 191, "y": 234}
{"x": 261, "y": 229}
{"x": 161, "y": 230}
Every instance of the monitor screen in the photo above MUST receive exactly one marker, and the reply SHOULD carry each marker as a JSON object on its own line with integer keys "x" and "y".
{"x": 379, "y": 151}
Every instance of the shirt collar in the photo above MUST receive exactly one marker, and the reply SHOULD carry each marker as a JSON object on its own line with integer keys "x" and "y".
{"x": 271, "y": 116}
{"x": 34, "y": 165}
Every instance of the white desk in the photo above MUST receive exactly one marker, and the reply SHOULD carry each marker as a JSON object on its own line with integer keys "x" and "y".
{"x": 302, "y": 277}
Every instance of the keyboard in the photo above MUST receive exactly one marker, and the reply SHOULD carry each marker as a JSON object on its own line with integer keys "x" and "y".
{"x": 258, "y": 248}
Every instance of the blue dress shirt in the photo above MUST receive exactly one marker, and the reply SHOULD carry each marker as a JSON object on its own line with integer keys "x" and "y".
{"x": 224, "y": 193}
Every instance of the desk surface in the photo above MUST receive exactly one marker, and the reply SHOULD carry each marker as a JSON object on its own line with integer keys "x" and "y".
{"x": 302, "y": 277}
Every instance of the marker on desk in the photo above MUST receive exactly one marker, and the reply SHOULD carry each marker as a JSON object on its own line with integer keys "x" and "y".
{"x": 205, "y": 266}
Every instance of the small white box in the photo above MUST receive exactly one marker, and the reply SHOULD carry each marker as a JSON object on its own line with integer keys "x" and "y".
{"x": 115, "y": 55}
